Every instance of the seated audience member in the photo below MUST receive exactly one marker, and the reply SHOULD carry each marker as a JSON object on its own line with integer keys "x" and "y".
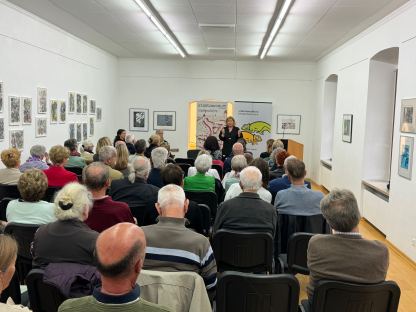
{"x": 154, "y": 141}
{"x": 130, "y": 144}
{"x": 235, "y": 189}
{"x": 277, "y": 147}
{"x": 75, "y": 159}
{"x": 266, "y": 154}
{"x": 104, "y": 141}
{"x": 238, "y": 149}
{"x": 280, "y": 170}
{"x": 37, "y": 155}
{"x": 140, "y": 147}
{"x": 171, "y": 246}
{"x": 135, "y": 191}
{"x": 200, "y": 181}
{"x": 68, "y": 239}
{"x": 11, "y": 159}
{"x": 57, "y": 175}
{"x": 87, "y": 151}
{"x": 121, "y": 136}
{"x": 108, "y": 156}
{"x": 249, "y": 157}
{"x": 247, "y": 212}
{"x": 31, "y": 209}
{"x": 211, "y": 145}
{"x": 277, "y": 185}
{"x": 8, "y": 255}
{"x": 211, "y": 172}
{"x": 173, "y": 174}
{"x": 158, "y": 156}
{"x": 344, "y": 255}
{"x": 298, "y": 199}
{"x": 120, "y": 255}
{"x": 105, "y": 212}
{"x": 122, "y": 160}
{"x": 238, "y": 163}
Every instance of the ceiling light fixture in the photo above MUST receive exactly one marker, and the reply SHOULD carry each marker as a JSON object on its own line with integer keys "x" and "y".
{"x": 166, "y": 32}
{"x": 277, "y": 24}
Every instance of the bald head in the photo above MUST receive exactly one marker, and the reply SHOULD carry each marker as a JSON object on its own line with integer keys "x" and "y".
{"x": 96, "y": 176}
{"x": 120, "y": 251}
{"x": 238, "y": 149}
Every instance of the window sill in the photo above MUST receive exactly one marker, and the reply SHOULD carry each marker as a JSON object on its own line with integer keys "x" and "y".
{"x": 378, "y": 188}
{"x": 326, "y": 163}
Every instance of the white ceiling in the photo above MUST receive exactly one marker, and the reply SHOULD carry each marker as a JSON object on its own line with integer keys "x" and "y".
{"x": 312, "y": 28}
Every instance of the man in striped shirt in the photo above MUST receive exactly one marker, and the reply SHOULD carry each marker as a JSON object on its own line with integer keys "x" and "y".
{"x": 171, "y": 246}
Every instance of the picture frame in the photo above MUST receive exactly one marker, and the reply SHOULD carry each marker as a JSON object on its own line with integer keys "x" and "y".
{"x": 99, "y": 114}
{"x": 16, "y": 139}
{"x": 347, "y": 122}
{"x": 84, "y": 131}
{"x": 62, "y": 112}
{"x": 139, "y": 119}
{"x": 406, "y": 146}
{"x": 54, "y": 111}
{"x": 42, "y": 100}
{"x": 2, "y": 129}
{"x": 288, "y": 124}
{"x": 92, "y": 126}
{"x": 72, "y": 133}
{"x": 41, "y": 127}
{"x": 79, "y": 104}
{"x": 163, "y": 120}
{"x": 79, "y": 132}
{"x": 93, "y": 106}
{"x": 408, "y": 116}
{"x": 26, "y": 110}
{"x": 71, "y": 102}
{"x": 1, "y": 96}
{"x": 84, "y": 104}
{"x": 15, "y": 113}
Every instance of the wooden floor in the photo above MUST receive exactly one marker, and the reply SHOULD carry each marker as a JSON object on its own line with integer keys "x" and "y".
{"x": 401, "y": 269}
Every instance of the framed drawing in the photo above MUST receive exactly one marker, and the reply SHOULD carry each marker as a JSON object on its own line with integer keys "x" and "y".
{"x": 99, "y": 114}
{"x": 84, "y": 131}
{"x": 406, "y": 156}
{"x": 92, "y": 106}
{"x": 72, "y": 134}
{"x": 54, "y": 111}
{"x": 16, "y": 139}
{"x": 41, "y": 127}
{"x": 79, "y": 104}
{"x": 71, "y": 102}
{"x": 347, "y": 128}
{"x": 14, "y": 111}
{"x": 288, "y": 124}
{"x": 164, "y": 121}
{"x": 1, "y": 129}
{"x": 42, "y": 101}
{"x": 27, "y": 110}
{"x": 408, "y": 116}
{"x": 62, "y": 111}
{"x": 79, "y": 132}
{"x": 1, "y": 96}
{"x": 139, "y": 119}
{"x": 91, "y": 126}
{"x": 84, "y": 104}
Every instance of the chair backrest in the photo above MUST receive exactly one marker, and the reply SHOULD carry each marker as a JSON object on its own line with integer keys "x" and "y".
{"x": 10, "y": 191}
{"x": 192, "y": 153}
{"x": 297, "y": 252}
{"x": 208, "y": 198}
{"x": 219, "y": 170}
{"x": 76, "y": 170}
{"x": 3, "y": 207}
{"x": 50, "y": 193}
{"x": 206, "y": 218}
{"x": 189, "y": 161}
{"x": 245, "y": 292}
{"x": 43, "y": 297}
{"x": 243, "y": 251}
{"x": 184, "y": 167}
{"x": 24, "y": 234}
{"x": 338, "y": 296}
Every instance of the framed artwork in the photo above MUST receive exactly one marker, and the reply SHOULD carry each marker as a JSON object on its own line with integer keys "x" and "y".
{"x": 288, "y": 124}
{"x": 16, "y": 139}
{"x": 408, "y": 116}
{"x": 27, "y": 110}
{"x": 1, "y": 96}
{"x": 62, "y": 111}
{"x": 139, "y": 119}
{"x": 1, "y": 129}
{"x": 72, "y": 134}
{"x": 84, "y": 131}
{"x": 14, "y": 111}
{"x": 93, "y": 106}
{"x": 42, "y": 100}
{"x": 79, "y": 103}
{"x": 41, "y": 127}
{"x": 347, "y": 128}
{"x": 99, "y": 114}
{"x": 164, "y": 121}
{"x": 79, "y": 132}
{"x": 84, "y": 104}
{"x": 71, "y": 102}
{"x": 91, "y": 126}
{"x": 54, "y": 111}
{"x": 406, "y": 156}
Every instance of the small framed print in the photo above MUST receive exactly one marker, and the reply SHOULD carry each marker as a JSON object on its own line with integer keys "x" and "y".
{"x": 164, "y": 121}
{"x": 84, "y": 131}
{"x": 14, "y": 111}
{"x": 84, "y": 104}
{"x": 139, "y": 119}
{"x": 27, "y": 110}
{"x": 71, "y": 102}
{"x": 99, "y": 114}
{"x": 93, "y": 107}
{"x": 41, "y": 127}
{"x": 42, "y": 100}
{"x": 288, "y": 124}
{"x": 406, "y": 156}
{"x": 79, "y": 103}
{"x": 79, "y": 132}
{"x": 347, "y": 128}
{"x": 54, "y": 111}
{"x": 92, "y": 124}
{"x": 17, "y": 139}
{"x": 62, "y": 111}
{"x": 408, "y": 116}
{"x": 1, "y": 129}
{"x": 72, "y": 133}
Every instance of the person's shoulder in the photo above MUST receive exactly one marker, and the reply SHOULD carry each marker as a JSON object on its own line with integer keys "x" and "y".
{"x": 75, "y": 304}
{"x": 152, "y": 307}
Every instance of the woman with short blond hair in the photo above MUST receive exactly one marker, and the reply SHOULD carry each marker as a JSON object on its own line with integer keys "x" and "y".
{"x": 11, "y": 159}
{"x": 229, "y": 135}
{"x": 57, "y": 175}
{"x": 104, "y": 141}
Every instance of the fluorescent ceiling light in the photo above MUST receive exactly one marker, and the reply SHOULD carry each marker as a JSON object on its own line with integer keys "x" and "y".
{"x": 279, "y": 20}
{"x": 159, "y": 25}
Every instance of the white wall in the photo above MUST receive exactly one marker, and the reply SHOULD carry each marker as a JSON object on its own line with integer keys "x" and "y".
{"x": 351, "y": 62}
{"x": 171, "y": 85}
{"x": 328, "y": 117}
{"x": 36, "y": 54}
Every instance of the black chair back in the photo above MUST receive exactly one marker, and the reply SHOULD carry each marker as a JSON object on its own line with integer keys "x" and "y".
{"x": 243, "y": 251}
{"x": 219, "y": 170}
{"x": 24, "y": 235}
{"x": 193, "y": 154}
{"x": 50, "y": 194}
{"x": 297, "y": 251}
{"x": 244, "y": 292}
{"x": 9, "y": 191}
{"x": 184, "y": 168}
{"x": 338, "y": 296}
{"x": 206, "y": 219}
{"x": 207, "y": 198}
{"x": 189, "y": 161}
{"x": 76, "y": 170}
{"x": 43, "y": 297}
{"x": 3, "y": 207}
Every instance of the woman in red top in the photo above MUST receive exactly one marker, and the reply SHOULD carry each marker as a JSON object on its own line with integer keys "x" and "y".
{"x": 57, "y": 175}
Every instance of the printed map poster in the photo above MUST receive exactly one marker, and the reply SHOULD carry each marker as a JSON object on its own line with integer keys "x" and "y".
{"x": 255, "y": 122}
{"x": 210, "y": 118}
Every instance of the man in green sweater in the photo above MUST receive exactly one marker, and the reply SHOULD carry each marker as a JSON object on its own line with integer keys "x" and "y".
{"x": 120, "y": 254}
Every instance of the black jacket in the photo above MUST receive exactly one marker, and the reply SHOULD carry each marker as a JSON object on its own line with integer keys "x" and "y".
{"x": 229, "y": 138}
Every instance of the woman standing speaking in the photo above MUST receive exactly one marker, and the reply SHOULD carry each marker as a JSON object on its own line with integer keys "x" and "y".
{"x": 229, "y": 135}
